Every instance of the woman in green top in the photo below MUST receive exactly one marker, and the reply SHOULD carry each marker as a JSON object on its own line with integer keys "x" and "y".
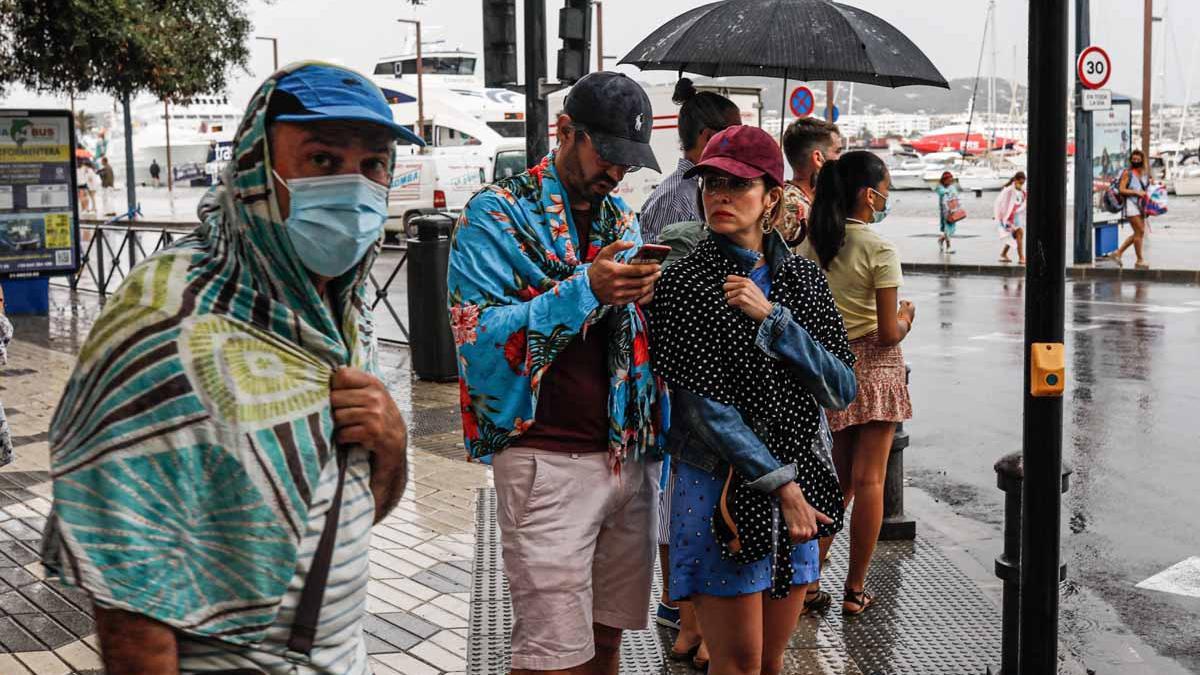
{"x": 947, "y": 192}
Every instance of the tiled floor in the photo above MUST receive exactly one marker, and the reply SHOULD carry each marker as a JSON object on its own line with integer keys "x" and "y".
{"x": 420, "y": 558}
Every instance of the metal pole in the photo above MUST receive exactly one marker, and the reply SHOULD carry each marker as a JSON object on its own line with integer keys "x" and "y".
{"x": 783, "y": 107}
{"x": 130, "y": 185}
{"x": 829, "y": 101}
{"x": 537, "y": 115}
{"x": 421, "y": 86}
{"x": 1147, "y": 66}
{"x": 1044, "y": 306}
{"x": 599, "y": 36}
{"x": 274, "y": 49}
{"x": 1083, "y": 145}
{"x": 170, "y": 171}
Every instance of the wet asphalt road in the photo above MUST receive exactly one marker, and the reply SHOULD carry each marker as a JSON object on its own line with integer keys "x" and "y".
{"x": 1132, "y": 433}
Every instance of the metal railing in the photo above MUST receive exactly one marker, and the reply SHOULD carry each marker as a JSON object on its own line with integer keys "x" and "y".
{"x": 382, "y": 290}
{"x": 115, "y": 246}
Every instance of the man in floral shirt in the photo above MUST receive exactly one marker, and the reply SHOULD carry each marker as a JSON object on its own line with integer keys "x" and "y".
{"x": 556, "y": 385}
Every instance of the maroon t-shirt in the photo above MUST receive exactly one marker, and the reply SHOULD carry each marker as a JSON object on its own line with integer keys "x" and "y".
{"x": 572, "y": 409}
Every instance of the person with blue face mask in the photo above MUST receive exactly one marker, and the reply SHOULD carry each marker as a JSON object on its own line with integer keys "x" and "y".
{"x": 863, "y": 269}
{"x": 258, "y": 444}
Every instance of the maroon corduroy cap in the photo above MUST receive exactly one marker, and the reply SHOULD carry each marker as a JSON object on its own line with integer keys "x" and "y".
{"x": 742, "y": 151}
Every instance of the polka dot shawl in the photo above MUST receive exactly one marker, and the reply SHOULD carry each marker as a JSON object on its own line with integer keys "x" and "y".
{"x": 703, "y": 345}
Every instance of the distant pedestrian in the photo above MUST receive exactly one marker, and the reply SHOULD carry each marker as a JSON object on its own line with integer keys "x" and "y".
{"x": 1134, "y": 187}
{"x": 676, "y": 199}
{"x": 155, "y": 170}
{"x": 6, "y": 333}
{"x": 864, "y": 274}
{"x": 808, "y": 143}
{"x": 107, "y": 183}
{"x": 82, "y": 169}
{"x": 1010, "y": 216}
{"x": 747, "y": 378}
{"x": 556, "y": 382}
{"x": 949, "y": 211}
{"x": 95, "y": 186}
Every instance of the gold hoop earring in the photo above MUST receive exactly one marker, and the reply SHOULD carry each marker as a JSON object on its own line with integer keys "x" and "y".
{"x": 765, "y": 223}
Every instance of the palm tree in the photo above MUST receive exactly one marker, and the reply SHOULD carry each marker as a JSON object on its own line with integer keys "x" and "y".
{"x": 85, "y": 123}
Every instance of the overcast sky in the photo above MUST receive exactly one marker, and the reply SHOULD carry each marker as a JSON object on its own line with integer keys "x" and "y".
{"x": 358, "y": 32}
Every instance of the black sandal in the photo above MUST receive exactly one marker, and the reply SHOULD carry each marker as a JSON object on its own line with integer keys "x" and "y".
{"x": 864, "y": 599}
{"x": 816, "y": 601}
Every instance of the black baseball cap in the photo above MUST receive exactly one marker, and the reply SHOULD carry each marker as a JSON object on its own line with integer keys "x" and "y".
{"x": 615, "y": 112}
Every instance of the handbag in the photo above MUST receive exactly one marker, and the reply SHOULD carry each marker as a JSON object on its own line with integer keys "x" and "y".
{"x": 954, "y": 212}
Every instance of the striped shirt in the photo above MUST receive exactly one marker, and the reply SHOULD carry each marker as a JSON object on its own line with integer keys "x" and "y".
{"x": 675, "y": 200}
{"x": 339, "y": 646}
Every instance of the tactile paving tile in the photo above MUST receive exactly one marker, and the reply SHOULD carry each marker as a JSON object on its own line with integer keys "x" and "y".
{"x": 929, "y": 617}
{"x": 430, "y": 421}
{"x": 491, "y": 620}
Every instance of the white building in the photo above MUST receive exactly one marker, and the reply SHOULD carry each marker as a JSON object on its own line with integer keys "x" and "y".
{"x": 887, "y": 124}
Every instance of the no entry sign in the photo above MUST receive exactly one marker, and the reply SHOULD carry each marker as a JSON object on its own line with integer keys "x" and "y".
{"x": 801, "y": 102}
{"x": 1093, "y": 67}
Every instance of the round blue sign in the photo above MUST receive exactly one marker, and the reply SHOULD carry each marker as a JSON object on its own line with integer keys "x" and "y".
{"x": 801, "y": 102}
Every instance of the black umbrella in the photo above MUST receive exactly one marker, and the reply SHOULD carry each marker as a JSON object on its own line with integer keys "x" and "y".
{"x": 797, "y": 39}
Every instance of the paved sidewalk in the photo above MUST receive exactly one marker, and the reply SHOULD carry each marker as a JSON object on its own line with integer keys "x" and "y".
{"x": 420, "y": 558}
{"x": 437, "y": 599}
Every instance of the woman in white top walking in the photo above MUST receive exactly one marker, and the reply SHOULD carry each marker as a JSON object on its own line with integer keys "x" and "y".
{"x": 1134, "y": 183}
{"x": 1010, "y": 214}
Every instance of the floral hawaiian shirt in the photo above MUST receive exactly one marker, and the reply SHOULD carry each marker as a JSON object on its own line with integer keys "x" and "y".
{"x": 519, "y": 293}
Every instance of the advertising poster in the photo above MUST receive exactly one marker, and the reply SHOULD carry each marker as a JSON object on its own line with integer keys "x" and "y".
{"x": 1112, "y": 136}
{"x": 39, "y": 223}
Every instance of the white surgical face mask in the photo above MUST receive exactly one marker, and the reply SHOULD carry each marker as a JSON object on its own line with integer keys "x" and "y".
{"x": 334, "y": 220}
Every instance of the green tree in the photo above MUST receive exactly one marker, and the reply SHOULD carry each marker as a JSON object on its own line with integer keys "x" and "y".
{"x": 173, "y": 49}
{"x": 85, "y": 122}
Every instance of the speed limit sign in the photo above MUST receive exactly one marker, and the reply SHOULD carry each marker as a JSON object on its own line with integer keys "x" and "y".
{"x": 1093, "y": 67}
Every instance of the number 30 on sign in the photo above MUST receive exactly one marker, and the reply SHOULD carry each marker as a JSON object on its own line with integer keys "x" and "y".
{"x": 1093, "y": 67}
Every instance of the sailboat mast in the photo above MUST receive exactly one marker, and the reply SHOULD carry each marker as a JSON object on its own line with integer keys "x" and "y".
{"x": 1187, "y": 95}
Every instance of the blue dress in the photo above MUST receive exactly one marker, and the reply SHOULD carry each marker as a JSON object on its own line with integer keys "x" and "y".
{"x": 695, "y": 556}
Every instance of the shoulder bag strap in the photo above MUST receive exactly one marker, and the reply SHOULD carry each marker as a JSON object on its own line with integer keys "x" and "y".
{"x": 308, "y": 611}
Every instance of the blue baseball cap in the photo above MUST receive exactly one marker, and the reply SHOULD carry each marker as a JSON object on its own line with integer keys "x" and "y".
{"x": 329, "y": 92}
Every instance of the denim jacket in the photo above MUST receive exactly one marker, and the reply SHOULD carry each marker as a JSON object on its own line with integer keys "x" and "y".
{"x": 710, "y": 435}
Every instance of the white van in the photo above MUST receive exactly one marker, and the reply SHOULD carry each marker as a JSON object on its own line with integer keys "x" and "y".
{"x": 459, "y": 159}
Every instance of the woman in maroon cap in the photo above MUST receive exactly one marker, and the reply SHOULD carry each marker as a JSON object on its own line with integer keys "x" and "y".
{"x": 750, "y": 341}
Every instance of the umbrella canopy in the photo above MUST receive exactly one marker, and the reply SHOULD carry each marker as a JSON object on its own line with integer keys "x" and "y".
{"x": 796, "y": 39}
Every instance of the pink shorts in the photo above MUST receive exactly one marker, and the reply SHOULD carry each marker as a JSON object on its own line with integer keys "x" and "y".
{"x": 578, "y": 545}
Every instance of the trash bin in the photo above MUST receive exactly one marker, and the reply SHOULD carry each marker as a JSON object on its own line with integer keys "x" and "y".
{"x": 430, "y": 339}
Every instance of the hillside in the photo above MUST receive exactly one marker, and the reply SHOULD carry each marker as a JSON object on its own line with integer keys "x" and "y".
{"x": 906, "y": 100}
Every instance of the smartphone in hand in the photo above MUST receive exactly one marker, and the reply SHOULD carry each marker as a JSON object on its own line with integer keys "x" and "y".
{"x": 650, "y": 254}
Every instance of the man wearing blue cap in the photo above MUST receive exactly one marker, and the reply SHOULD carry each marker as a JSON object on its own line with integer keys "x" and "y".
{"x": 225, "y": 442}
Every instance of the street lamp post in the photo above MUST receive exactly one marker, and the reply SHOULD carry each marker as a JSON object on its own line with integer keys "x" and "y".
{"x": 420, "y": 80}
{"x": 599, "y": 35}
{"x": 274, "y": 49}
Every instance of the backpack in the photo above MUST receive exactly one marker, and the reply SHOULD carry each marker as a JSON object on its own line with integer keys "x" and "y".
{"x": 1112, "y": 200}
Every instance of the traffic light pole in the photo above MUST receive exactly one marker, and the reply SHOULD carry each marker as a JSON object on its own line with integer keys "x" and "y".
{"x": 1083, "y": 146}
{"x": 537, "y": 116}
{"x": 1044, "y": 309}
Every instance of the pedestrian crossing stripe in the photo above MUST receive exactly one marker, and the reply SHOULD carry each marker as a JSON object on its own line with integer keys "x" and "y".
{"x": 1162, "y": 309}
{"x": 1182, "y": 578}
